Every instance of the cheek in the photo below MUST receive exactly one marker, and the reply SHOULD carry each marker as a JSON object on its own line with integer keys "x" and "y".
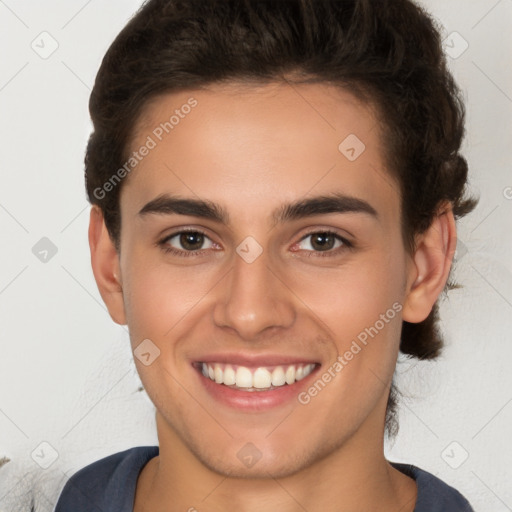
{"x": 159, "y": 297}
{"x": 353, "y": 296}
{"x": 361, "y": 304}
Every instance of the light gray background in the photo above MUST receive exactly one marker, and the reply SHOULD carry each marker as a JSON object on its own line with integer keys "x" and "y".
{"x": 67, "y": 378}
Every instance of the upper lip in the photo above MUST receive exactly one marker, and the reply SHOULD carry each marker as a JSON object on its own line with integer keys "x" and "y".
{"x": 255, "y": 360}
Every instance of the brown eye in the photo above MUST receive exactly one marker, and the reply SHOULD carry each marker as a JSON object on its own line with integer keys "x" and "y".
{"x": 191, "y": 241}
{"x": 323, "y": 243}
{"x": 187, "y": 241}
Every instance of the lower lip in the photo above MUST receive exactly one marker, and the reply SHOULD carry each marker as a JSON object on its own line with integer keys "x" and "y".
{"x": 254, "y": 400}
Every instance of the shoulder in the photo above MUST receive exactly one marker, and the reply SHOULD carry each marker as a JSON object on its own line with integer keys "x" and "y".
{"x": 434, "y": 495}
{"x": 107, "y": 484}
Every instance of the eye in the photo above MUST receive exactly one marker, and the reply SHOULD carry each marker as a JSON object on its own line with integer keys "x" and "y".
{"x": 327, "y": 242}
{"x": 194, "y": 242}
{"x": 186, "y": 243}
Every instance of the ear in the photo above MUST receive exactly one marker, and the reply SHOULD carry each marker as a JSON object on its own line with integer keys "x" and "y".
{"x": 431, "y": 265}
{"x": 105, "y": 266}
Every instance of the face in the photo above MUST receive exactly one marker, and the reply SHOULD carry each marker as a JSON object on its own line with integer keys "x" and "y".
{"x": 261, "y": 254}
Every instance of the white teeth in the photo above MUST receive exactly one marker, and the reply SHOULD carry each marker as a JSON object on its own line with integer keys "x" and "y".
{"x": 259, "y": 378}
{"x": 243, "y": 377}
{"x": 278, "y": 378}
{"x": 290, "y": 375}
{"x": 262, "y": 378}
{"x": 217, "y": 371}
{"x": 229, "y": 376}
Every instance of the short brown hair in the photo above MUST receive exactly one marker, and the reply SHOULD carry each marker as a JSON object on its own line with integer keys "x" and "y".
{"x": 387, "y": 52}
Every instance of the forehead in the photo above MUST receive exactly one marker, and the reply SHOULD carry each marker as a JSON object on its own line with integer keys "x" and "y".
{"x": 248, "y": 143}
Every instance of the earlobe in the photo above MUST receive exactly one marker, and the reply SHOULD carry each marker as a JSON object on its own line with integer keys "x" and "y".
{"x": 431, "y": 265}
{"x": 105, "y": 266}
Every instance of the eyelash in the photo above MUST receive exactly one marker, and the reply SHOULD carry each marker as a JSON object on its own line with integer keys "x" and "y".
{"x": 331, "y": 252}
{"x": 316, "y": 254}
{"x": 176, "y": 252}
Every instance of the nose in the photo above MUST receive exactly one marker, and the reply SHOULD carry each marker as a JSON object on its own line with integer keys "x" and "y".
{"x": 254, "y": 299}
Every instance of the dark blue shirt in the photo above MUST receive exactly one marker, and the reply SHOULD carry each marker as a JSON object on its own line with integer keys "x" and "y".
{"x": 108, "y": 485}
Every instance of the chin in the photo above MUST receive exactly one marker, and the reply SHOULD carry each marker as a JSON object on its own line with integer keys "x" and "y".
{"x": 248, "y": 462}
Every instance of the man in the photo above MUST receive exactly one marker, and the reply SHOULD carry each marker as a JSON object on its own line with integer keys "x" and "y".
{"x": 274, "y": 188}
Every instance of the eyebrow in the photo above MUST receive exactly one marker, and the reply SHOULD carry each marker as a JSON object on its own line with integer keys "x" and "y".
{"x": 166, "y": 204}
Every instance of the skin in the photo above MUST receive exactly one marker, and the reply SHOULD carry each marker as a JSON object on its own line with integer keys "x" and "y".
{"x": 250, "y": 150}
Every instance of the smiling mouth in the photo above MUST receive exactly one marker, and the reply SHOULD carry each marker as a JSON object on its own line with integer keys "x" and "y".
{"x": 262, "y": 378}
